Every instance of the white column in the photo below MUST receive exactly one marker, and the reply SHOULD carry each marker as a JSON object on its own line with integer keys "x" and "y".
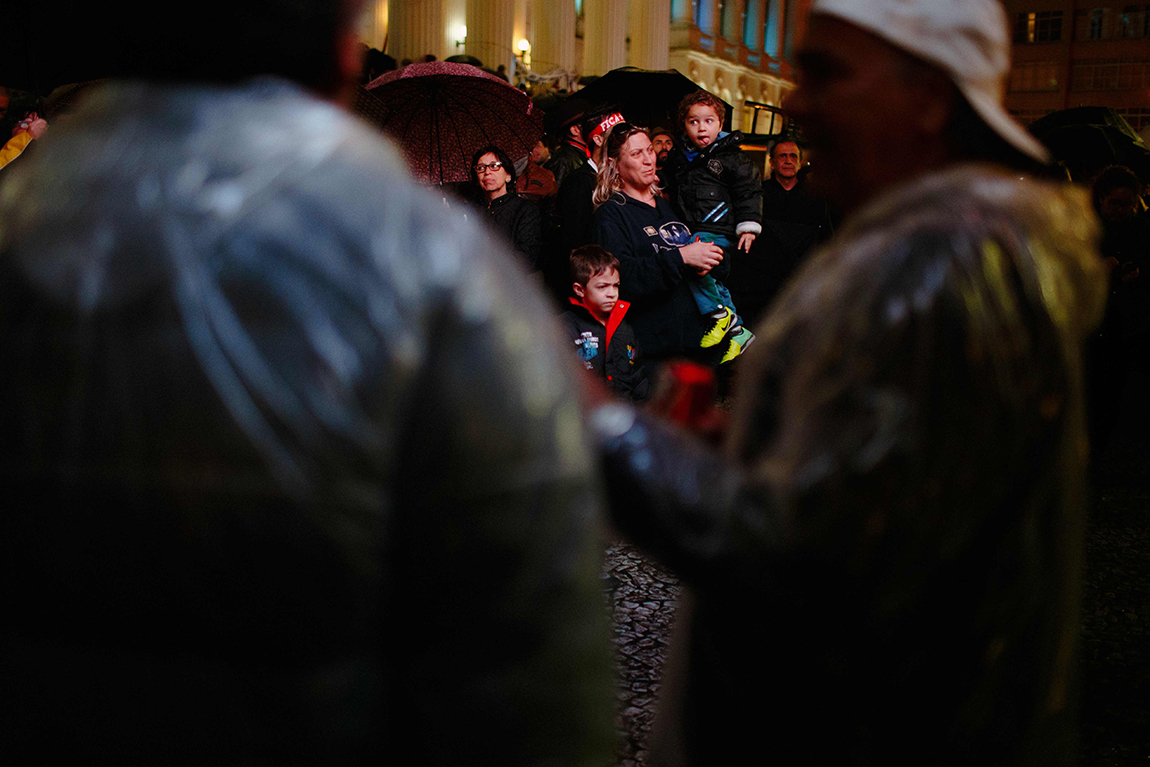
{"x": 373, "y": 29}
{"x": 650, "y": 33}
{"x": 415, "y": 28}
{"x": 604, "y": 35}
{"x": 491, "y": 32}
{"x": 553, "y": 23}
{"x": 454, "y": 26}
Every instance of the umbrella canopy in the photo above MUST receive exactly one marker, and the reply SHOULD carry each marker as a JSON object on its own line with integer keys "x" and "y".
{"x": 441, "y": 113}
{"x": 645, "y": 97}
{"x": 1087, "y": 139}
{"x": 463, "y": 58}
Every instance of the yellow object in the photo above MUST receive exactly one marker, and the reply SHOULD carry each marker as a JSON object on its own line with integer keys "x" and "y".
{"x": 719, "y": 330}
{"x": 14, "y": 147}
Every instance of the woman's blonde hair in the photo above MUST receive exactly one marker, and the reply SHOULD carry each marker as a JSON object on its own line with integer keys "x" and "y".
{"x": 607, "y": 182}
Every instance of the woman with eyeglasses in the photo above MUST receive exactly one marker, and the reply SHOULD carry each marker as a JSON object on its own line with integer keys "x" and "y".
{"x": 657, "y": 252}
{"x": 517, "y": 217}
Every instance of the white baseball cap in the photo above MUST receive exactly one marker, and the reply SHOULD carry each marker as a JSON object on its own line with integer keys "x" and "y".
{"x": 967, "y": 39}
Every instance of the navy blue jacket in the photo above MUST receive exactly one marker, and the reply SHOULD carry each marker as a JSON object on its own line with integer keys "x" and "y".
{"x": 610, "y": 351}
{"x": 653, "y": 277}
{"x": 718, "y": 189}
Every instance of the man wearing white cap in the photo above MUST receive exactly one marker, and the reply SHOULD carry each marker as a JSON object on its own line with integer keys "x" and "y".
{"x": 885, "y": 562}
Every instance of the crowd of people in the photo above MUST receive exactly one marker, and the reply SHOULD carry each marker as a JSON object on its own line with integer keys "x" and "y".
{"x": 681, "y": 209}
{"x": 300, "y": 467}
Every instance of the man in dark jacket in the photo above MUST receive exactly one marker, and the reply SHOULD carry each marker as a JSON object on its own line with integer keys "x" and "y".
{"x": 886, "y": 558}
{"x": 795, "y": 221}
{"x": 278, "y": 487}
{"x": 576, "y": 209}
{"x": 604, "y": 342}
{"x": 573, "y": 150}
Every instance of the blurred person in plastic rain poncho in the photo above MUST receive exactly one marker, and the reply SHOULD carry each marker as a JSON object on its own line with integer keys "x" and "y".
{"x": 885, "y": 558}
{"x": 293, "y": 471}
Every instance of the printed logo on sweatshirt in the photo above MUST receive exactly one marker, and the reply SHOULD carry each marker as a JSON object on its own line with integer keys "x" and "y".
{"x": 630, "y": 354}
{"x": 675, "y": 233}
{"x": 650, "y": 230}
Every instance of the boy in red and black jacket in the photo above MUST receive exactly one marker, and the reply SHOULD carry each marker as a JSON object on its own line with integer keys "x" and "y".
{"x": 594, "y": 322}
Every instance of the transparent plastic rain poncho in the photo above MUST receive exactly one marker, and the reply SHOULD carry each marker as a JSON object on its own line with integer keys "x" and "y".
{"x": 293, "y": 468}
{"x": 886, "y": 557}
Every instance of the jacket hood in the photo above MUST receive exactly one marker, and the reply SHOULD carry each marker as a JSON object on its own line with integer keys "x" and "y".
{"x": 179, "y": 191}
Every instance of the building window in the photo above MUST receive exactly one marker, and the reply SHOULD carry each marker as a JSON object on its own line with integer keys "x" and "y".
{"x": 1038, "y": 27}
{"x": 771, "y": 29}
{"x": 751, "y": 25}
{"x": 1108, "y": 24}
{"x": 1134, "y": 21}
{"x": 705, "y": 17}
{"x": 1034, "y": 76}
{"x": 1109, "y": 75}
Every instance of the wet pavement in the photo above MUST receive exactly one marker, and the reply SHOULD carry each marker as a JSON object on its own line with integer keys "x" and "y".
{"x": 1115, "y": 646}
{"x": 642, "y": 599}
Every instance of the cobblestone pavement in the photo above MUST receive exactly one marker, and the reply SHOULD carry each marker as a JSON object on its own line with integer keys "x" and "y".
{"x": 642, "y": 598}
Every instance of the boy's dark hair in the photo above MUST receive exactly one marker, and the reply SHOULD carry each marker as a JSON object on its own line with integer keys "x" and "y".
{"x": 499, "y": 155}
{"x": 590, "y": 261}
{"x": 700, "y": 97}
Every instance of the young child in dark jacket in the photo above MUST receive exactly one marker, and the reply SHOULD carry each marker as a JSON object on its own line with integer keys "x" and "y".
{"x": 717, "y": 191}
{"x": 594, "y": 322}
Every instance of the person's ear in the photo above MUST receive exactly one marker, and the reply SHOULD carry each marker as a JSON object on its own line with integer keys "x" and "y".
{"x": 579, "y": 292}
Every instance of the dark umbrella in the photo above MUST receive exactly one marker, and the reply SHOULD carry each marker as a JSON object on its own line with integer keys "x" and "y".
{"x": 1087, "y": 139}
{"x": 440, "y": 113}
{"x": 463, "y": 58}
{"x": 645, "y": 97}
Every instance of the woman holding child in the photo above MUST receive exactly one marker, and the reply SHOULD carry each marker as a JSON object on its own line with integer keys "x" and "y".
{"x": 657, "y": 254}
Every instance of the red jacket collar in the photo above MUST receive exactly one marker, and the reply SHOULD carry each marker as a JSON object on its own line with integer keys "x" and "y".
{"x": 613, "y": 321}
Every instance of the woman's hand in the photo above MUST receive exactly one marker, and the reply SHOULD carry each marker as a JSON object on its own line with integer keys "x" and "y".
{"x": 703, "y": 256}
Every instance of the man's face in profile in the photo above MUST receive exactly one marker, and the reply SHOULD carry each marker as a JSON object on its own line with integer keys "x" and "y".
{"x": 785, "y": 160}
{"x": 663, "y": 145}
{"x": 854, "y": 105}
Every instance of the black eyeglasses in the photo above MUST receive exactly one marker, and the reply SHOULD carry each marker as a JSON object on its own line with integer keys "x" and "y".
{"x": 492, "y": 167}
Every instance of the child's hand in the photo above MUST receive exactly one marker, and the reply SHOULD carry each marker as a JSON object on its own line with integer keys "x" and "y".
{"x": 745, "y": 240}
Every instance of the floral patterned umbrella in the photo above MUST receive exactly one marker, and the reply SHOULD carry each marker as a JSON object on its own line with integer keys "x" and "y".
{"x": 440, "y": 113}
